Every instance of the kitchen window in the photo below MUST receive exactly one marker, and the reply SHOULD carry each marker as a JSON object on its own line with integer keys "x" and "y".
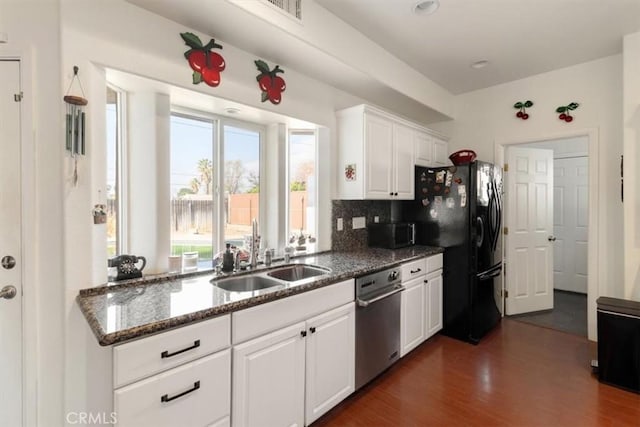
{"x": 302, "y": 189}
{"x": 192, "y": 186}
{"x": 215, "y": 184}
{"x": 115, "y": 197}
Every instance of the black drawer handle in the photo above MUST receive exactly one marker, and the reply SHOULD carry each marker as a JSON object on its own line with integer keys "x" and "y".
{"x": 166, "y": 398}
{"x": 313, "y": 329}
{"x": 303, "y": 334}
{"x": 415, "y": 271}
{"x": 166, "y": 354}
{"x": 426, "y": 281}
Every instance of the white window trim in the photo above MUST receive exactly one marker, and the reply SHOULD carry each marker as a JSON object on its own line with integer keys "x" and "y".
{"x": 287, "y": 182}
{"x": 122, "y": 168}
{"x": 218, "y": 155}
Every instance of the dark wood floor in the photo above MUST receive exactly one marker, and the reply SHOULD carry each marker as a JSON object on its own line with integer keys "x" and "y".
{"x": 519, "y": 375}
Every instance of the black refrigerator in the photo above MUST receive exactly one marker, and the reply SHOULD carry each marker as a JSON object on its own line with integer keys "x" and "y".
{"x": 459, "y": 208}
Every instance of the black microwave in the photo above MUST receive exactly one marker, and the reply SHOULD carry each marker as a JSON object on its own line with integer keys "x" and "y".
{"x": 391, "y": 235}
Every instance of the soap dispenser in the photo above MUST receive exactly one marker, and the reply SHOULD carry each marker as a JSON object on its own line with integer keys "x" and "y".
{"x": 227, "y": 259}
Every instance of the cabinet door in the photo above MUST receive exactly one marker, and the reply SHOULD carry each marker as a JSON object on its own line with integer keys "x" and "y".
{"x": 195, "y": 394}
{"x": 412, "y": 320}
{"x": 423, "y": 148}
{"x": 268, "y": 379}
{"x": 378, "y": 157}
{"x": 330, "y": 360}
{"x": 403, "y": 170}
{"x": 440, "y": 156}
{"x": 433, "y": 294}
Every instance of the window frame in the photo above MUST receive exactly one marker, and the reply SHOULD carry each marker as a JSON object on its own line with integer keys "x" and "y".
{"x": 262, "y": 133}
{"x": 219, "y": 122}
{"x": 121, "y": 176}
{"x": 287, "y": 183}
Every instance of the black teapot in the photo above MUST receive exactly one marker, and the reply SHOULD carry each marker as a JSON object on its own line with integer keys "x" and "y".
{"x": 126, "y": 266}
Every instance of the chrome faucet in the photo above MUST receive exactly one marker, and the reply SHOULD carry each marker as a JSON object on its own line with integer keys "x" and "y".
{"x": 253, "y": 259}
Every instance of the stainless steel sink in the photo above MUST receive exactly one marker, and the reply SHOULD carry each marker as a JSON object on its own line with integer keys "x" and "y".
{"x": 246, "y": 283}
{"x": 293, "y": 273}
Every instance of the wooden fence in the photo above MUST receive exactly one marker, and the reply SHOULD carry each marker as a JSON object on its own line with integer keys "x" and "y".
{"x": 188, "y": 215}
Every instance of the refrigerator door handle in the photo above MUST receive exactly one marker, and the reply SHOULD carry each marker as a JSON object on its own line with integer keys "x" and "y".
{"x": 480, "y": 227}
{"x": 493, "y": 272}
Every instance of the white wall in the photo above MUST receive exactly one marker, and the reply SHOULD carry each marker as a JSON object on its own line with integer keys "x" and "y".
{"x": 631, "y": 120}
{"x": 33, "y": 30}
{"x": 486, "y": 117}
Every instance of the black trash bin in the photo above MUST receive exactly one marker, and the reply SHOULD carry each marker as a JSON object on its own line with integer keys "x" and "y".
{"x": 619, "y": 342}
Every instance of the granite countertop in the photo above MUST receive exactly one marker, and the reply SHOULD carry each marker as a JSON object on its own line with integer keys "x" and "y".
{"x": 124, "y": 311}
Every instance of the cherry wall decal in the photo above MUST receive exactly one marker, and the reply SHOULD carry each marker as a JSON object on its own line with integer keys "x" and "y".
{"x": 522, "y": 109}
{"x": 206, "y": 64}
{"x": 270, "y": 83}
{"x": 565, "y": 111}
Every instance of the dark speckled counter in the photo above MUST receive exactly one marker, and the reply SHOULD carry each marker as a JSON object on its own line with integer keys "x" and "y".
{"x": 117, "y": 313}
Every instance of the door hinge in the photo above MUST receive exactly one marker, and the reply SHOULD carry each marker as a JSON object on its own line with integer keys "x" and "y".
{"x": 505, "y": 230}
{"x": 506, "y": 167}
{"x": 18, "y": 97}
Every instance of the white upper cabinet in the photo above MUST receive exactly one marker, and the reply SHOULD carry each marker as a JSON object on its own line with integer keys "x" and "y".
{"x": 377, "y": 153}
{"x": 440, "y": 150}
{"x": 423, "y": 148}
{"x": 431, "y": 150}
{"x": 403, "y": 162}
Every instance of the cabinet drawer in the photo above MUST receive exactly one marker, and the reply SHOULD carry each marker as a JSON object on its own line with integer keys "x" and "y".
{"x": 414, "y": 269}
{"x": 434, "y": 263}
{"x": 261, "y": 319}
{"x": 195, "y": 394}
{"x": 140, "y": 359}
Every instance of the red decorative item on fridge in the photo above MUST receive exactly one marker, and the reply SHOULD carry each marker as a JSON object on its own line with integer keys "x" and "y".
{"x": 206, "y": 64}
{"x": 462, "y": 157}
{"x": 270, "y": 83}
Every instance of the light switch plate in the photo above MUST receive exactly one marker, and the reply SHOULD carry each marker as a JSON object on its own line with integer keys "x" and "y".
{"x": 339, "y": 224}
{"x": 359, "y": 222}
{"x": 376, "y": 219}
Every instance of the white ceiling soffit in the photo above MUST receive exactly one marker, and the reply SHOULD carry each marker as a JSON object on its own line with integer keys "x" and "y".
{"x": 519, "y": 38}
{"x": 285, "y": 44}
{"x": 193, "y": 100}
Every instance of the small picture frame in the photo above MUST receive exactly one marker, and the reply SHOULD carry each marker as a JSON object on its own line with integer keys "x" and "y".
{"x": 350, "y": 172}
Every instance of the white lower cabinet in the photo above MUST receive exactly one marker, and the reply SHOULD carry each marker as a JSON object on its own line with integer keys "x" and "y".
{"x": 268, "y": 379}
{"x": 330, "y": 370}
{"x": 312, "y": 361}
{"x": 194, "y": 394}
{"x": 433, "y": 302}
{"x": 421, "y": 307}
{"x": 412, "y": 324}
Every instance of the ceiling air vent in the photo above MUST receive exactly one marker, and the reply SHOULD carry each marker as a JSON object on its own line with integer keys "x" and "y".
{"x": 290, "y": 7}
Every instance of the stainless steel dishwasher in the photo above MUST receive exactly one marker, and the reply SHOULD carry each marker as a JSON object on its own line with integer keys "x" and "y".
{"x": 377, "y": 323}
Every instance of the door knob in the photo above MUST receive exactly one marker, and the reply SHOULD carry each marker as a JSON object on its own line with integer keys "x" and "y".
{"x": 551, "y": 238}
{"x": 8, "y": 292}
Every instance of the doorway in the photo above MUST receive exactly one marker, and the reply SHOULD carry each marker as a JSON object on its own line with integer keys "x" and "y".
{"x": 573, "y": 241}
{"x": 569, "y": 237}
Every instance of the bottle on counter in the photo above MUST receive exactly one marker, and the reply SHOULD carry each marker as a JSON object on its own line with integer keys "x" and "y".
{"x": 227, "y": 260}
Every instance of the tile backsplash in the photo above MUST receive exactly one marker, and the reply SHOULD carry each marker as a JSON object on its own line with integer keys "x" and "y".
{"x": 349, "y": 239}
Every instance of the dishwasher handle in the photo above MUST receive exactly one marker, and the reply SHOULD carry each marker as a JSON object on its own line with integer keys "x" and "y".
{"x": 365, "y": 303}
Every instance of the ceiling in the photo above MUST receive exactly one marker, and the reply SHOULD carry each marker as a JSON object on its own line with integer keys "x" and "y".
{"x": 519, "y": 38}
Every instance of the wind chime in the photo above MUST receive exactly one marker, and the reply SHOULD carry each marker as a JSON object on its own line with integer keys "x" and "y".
{"x": 75, "y": 121}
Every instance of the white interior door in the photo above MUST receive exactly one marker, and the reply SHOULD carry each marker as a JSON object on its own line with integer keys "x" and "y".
{"x": 570, "y": 223}
{"x": 10, "y": 246}
{"x": 529, "y": 263}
